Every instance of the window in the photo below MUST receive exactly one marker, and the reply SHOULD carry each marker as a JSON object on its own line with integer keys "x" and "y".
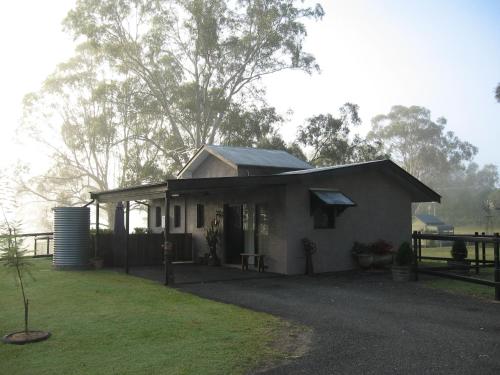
{"x": 158, "y": 217}
{"x": 324, "y": 217}
{"x": 177, "y": 216}
{"x": 326, "y": 205}
{"x": 200, "y": 216}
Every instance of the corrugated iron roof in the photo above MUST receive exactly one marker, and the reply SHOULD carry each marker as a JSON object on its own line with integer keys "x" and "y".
{"x": 340, "y": 166}
{"x": 259, "y": 157}
{"x": 429, "y": 219}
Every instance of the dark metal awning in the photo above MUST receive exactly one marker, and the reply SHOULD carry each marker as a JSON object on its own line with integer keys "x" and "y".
{"x": 332, "y": 197}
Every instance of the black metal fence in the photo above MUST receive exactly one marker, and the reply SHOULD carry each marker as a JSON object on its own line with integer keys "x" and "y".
{"x": 482, "y": 244}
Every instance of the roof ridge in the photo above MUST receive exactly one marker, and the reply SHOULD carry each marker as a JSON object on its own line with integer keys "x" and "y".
{"x": 251, "y": 148}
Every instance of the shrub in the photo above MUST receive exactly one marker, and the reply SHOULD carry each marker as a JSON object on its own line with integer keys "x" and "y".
{"x": 404, "y": 255}
{"x": 459, "y": 250}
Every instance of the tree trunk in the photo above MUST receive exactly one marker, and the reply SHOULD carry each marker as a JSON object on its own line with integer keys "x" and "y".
{"x": 26, "y": 307}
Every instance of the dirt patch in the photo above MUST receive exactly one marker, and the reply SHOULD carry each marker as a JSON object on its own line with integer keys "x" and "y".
{"x": 293, "y": 342}
{"x": 20, "y": 338}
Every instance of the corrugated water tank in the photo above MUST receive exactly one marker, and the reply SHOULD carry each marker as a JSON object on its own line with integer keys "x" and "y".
{"x": 71, "y": 237}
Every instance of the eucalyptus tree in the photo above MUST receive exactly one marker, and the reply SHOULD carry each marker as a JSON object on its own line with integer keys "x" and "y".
{"x": 331, "y": 143}
{"x": 420, "y": 145}
{"x": 153, "y": 80}
{"x": 196, "y": 59}
{"x": 90, "y": 124}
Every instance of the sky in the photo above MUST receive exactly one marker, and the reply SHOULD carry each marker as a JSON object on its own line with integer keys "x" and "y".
{"x": 443, "y": 55}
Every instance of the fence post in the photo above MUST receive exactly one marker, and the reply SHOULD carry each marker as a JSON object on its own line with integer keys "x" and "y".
{"x": 497, "y": 267}
{"x": 476, "y": 253}
{"x": 420, "y": 247}
{"x": 48, "y": 245}
{"x": 34, "y": 248}
{"x": 484, "y": 249}
{"x": 415, "y": 255}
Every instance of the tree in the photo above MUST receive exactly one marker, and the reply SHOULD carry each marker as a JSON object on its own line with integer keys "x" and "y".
{"x": 465, "y": 193}
{"x": 330, "y": 141}
{"x": 497, "y": 93}
{"x": 94, "y": 131}
{"x": 419, "y": 145}
{"x": 151, "y": 81}
{"x": 256, "y": 127}
{"x": 196, "y": 59}
{"x": 15, "y": 258}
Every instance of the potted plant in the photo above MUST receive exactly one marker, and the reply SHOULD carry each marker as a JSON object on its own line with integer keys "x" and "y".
{"x": 212, "y": 236}
{"x": 363, "y": 254}
{"x": 14, "y": 258}
{"x": 382, "y": 253}
{"x": 309, "y": 248}
{"x": 459, "y": 253}
{"x": 401, "y": 269}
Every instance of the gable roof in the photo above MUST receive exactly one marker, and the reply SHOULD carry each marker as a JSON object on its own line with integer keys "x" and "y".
{"x": 245, "y": 156}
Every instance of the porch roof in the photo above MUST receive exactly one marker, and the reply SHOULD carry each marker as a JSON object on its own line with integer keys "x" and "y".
{"x": 418, "y": 191}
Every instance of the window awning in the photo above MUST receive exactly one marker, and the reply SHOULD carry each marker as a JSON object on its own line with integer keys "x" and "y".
{"x": 332, "y": 197}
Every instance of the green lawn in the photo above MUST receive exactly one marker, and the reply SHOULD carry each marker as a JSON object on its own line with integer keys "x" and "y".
{"x": 108, "y": 323}
{"x": 460, "y": 287}
{"x": 445, "y": 252}
{"x": 456, "y": 286}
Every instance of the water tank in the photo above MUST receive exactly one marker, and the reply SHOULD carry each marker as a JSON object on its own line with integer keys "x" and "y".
{"x": 71, "y": 237}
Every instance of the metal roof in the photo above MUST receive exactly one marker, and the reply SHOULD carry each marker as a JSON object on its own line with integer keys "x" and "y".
{"x": 429, "y": 219}
{"x": 259, "y": 157}
{"x": 332, "y": 197}
{"x": 332, "y": 168}
{"x": 418, "y": 191}
{"x": 243, "y": 156}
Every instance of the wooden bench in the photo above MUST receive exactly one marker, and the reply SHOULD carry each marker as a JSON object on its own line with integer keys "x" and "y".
{"x": 260, "y": 261}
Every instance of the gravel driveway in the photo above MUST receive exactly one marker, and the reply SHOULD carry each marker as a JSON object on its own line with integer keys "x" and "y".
{"x": 363, "y": 323}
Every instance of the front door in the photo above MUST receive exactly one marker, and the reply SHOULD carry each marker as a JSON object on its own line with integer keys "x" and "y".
{"x": 233, "y": 228}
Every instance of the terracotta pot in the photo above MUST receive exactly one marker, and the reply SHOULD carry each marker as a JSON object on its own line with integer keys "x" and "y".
{"x": 365, "y": 260}
{"x": 401, "y": 273}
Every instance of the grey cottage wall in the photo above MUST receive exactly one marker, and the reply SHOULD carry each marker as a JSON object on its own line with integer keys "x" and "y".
{"x": 383, "y": 211}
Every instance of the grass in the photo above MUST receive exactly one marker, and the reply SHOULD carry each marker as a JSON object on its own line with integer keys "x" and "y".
{"x": 445, "y": 252}
{"x": 461, "y": 287}
{"x": 456, "y": 286}
{"x": 108, "y": 323}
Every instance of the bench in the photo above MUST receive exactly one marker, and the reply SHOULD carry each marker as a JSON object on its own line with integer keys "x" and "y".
{"x": 260, "y": 261}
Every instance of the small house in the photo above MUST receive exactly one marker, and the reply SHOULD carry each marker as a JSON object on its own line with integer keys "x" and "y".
{"x": 432, "y": 225}
{"x": 271, "y": 200}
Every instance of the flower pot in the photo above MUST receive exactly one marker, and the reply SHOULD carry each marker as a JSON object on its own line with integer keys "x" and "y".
{"x": 461, "y": 267}
{"x": 382, "y": 260}
{"x": 401, "y": 273}
{"x": 365, "y": 260}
